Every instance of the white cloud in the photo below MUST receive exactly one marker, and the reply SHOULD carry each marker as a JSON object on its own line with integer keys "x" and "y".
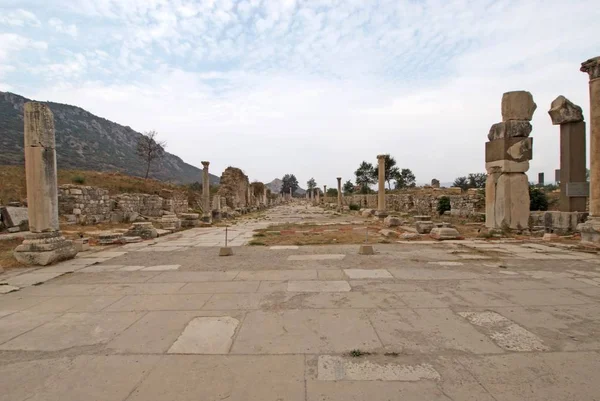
{"x": 315, "y": 87}
{"x": 61, "y": 27}
{"x": 19, "y": 18}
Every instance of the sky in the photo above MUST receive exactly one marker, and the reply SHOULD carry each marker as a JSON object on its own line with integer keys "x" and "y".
{"x": 309, "y": 87}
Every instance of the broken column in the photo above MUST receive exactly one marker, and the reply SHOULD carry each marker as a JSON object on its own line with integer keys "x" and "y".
{"x": 324, "y": 194}
{"x": 45, "y": 244}
{"x": 507, "y": 156}
{"x": 381, "y": 213}
{"x": 318, "y": 197}
{"x": 573, "y": 185}
{"x": 339, "y": 200}
{"x": 206, "y": 209}
{"x": 590, "y": 230}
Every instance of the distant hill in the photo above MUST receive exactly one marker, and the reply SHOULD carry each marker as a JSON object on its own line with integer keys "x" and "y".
{"x": 88, "y": 142}
{"x": 275, "y": 187}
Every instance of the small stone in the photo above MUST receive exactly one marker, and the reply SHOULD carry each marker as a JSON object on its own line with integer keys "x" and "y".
{"x": 563, "y": 111}
{"x": 517, "y": 105}
{"x": 424, "y": 227}
{"x": 392, "y": 221}
{"x": 550, "y": 237}
{"x": 510, "y": 129}
{"x": 409, "y": 236}
{"x": 444, "y": 233}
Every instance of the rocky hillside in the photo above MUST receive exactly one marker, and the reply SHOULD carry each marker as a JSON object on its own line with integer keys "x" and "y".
{"x": 87, "y": 142}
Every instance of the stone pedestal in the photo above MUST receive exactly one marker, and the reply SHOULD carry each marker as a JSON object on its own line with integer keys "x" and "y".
{"x": 45, "y": 244}
{"x": 226, "y": 251}
{"x": 366, "y": 250}
{"x": 573, "y": 185}
{"x": 507, "y": 156}
{"x": 381, "y": 187}
{"x": 590, "y": 230}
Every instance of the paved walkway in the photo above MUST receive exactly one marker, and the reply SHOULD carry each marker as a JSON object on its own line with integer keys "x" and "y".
{"x": 170, "y": 320}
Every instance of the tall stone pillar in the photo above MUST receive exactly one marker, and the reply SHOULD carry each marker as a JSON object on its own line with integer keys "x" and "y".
{"x": 507, "y": 156}
{"x": 45, "y": 244}
{"x": 590, "y": 230}
{"x": 206, "y": 209}
{"x": 573, "y": 185}
{"x": 339, "y": 202}
{"x": 318, "y": 196}
{"x": 381, "y": 213}
{"x": 324, "y": 194}
{"x": 265, "y": 197}
{"x": 541, "y": 179}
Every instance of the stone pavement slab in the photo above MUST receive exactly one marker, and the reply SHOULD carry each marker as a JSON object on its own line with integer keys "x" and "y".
{"x": 318, "y": 286}
{"x": 206, "y": 335}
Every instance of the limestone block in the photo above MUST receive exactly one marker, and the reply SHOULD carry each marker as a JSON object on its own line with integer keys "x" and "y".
{"x": 392, "y": 221}
{"x": 513, "y": 149}
{"x": 507, "y": 166}
{"x": 563, "y": 111}
{"x": 422, "y": 218}
{"x": 510, "y": 129}
{"x": 590, "y": 231}
{"x": 14, "y": 216}
{"x": 424, "y": 227}
{"x": 44, "y": 248}
{"x": 109, "y": 238}
{"x": 368, "y": 213}
{"x": 75, "y": 191}
{"x": 444, "y": 233}
{"x": 39, "y": 126}
{"x": 144, "y": 230}
{"x": 517, "y": 105}
{"x": 507, "y": 201}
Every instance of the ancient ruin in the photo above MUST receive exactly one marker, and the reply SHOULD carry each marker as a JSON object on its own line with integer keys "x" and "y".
{"x": 44, "y": 244}
{"x": 206, "y": 209}
{"x": 507, "y": 156}
{"x": 590, "y": 230}
{"x": 381, "y": 210}
{"x": 234, "y": 188}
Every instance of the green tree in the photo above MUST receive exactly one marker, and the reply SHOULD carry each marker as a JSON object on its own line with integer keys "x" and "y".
{"x": 365, "y": 175}
{"x": 477, "y": 180}
{"x": 538, "y": 200}
{"x": 405, "y": 179}
{"x": 311, "y": 184}
{"x": 332, "y": 192}
{"x": 348, "y": 188}
{"x": 461, "y": 182}
{"x": 392, "y": 173}
{"x": 289, "y": 182}
{"x": 443, "y": 205}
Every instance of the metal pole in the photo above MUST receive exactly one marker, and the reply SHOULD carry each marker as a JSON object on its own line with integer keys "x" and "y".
{"x": 225, "y": 236}
{"x": 367, "y": 235}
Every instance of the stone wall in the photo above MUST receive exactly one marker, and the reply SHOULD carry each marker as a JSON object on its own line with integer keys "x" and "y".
{"x": 234, "y": 188}
{"x": 90, "y": 205}
{"x": 463, "y": 205}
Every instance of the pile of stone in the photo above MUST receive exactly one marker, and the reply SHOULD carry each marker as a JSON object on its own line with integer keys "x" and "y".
{"x": 109, "y": 238}
{"x": 423, "y": 224}
{"x": 507, "y": 156}
{"x": 170, "y": 222}
{"x": 189, "y": 220}
{"x": 144, "y": 230}
{"x": 444, "y": 231}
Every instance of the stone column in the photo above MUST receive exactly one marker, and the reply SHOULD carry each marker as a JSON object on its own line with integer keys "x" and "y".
{"x": 45, "y": 244}
{"x": 206, "y": 209}
{"x": 381, "y": 187}
{"x": 590, "y": 230}
{"x": 541, "y": 179}
{"x": 507, "y": 156}
{"x": 324, "y": 194}
{"x": 318, "y": 197}
{"x": 573, "y": 185}
{"x": 339, "y": 202}
{"x": 265, "y": 197}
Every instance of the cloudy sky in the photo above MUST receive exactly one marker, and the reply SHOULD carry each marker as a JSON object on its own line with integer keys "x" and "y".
{"x": 310, "y": 87}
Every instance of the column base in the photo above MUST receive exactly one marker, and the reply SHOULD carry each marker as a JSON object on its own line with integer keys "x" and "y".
{"x": 382, "y": 214}
{"x": 590, "y": 231}
{"x": 44, "y": 248}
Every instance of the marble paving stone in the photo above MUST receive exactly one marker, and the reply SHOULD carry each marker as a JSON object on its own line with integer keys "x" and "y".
{"x": 336, "y": 368}
{"x": 105, "y": 277}
{"x": 5, "y": 289}
{"x": 193, "y": 276}
{"x": 73, "y": 330}
{"x": 103, "y": 254}
{"x": 221, "y": 287}
{"x": 354, "y": 300}
{"x": 85, "y": 377}
{"x": 28, "y": 279}
{"x": 131, "y": 268}
{"x": 272, "y": 286}
{"x": 18, "y": 323}
{"x": 543, "y": 297}
{"x": 588, "y": 281}
{"x": 315, "y": 257}
{"x": 159, "y": 302}
{"x": 294, "y": 331}
{"x": 411, "y": 273}
{"x": 335, "y": 274}
{"x": 429, "y": 331}
{"x": 100, "y": 268}
{"x": 425, "y": 299}
{"x": 368, "y": 286}
{"x": 53, "y": 290}
{"x": 319, "y": 390}
{"x": 448, "y": 263}
{"x": 142, "y": 288}
{"x": 224, "y": 377}
{"x": 206, "y": 335}
{"x": 540, "y": 377}
{"x": 283, "y": 247}
{"x": 160, "y": 268}
{"x": 277, "y": 275}
{"x": 244, "y": 301}
{"x": 505, "y": 332}
{"x": 318, "y": 286}
{"x": 358, "y": 274}
{"x": 74, "y": 304}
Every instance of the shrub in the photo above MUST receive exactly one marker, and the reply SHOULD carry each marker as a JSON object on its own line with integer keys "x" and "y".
{"x": 443, "y": 205}
{"x": 538, "y": 200}
{"x": 354, "y": 206}
{"x": 78, "y": 179}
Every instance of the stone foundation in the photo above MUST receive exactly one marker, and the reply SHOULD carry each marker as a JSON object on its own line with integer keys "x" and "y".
{"x": 44, "y": 249}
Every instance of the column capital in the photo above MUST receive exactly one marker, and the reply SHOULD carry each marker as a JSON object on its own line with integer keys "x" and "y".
{"x": 592, "y": 67}
{"x": 205, "y": 164}
{"x": 379, "y": 157}
{"x": 339, "y": 179}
